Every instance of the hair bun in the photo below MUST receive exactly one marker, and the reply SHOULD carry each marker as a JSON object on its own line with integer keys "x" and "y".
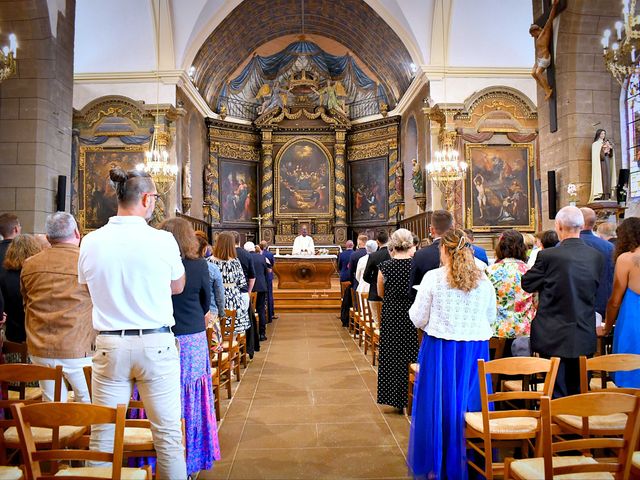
{"x": 118, "y": 175}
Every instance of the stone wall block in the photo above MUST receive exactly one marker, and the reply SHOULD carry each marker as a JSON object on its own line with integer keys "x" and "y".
{"x": 8, "y": 153}
{"x": 602, "y": 103}
{"x": 32, "y": 198}
{"x": 9, "y": 108}
{"x": 7, "y": 199}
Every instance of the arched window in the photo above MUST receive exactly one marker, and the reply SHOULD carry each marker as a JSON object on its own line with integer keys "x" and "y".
{"x": 633, "y": 133}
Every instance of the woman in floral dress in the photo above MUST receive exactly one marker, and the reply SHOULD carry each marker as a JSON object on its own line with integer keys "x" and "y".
{"x": 516, "y": 308}
{"x": 233, "y": 279}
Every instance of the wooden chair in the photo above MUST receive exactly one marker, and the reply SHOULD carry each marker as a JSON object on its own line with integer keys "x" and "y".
{"x": 360, "y": 317}
{"x": 224, "y": 360}
{"x": 605, "y": 364}
{"x": 364, "y": 323}
{"x": 372, "y": 329}
{"x": 215, "y": 374}
{"x": 584, "y": 405}
{"x": 601, "y": 425}
{"x": 26, "y": 373}
{"x": 353, "y": 311}
{"x": 138, "y": 439}
{"x": 21, "y": 390}
{"x": 56, "y": 416}
{"x": 635, "y": 465}
{"x": 519, "y": 425}
{"x": 414, "y": 369}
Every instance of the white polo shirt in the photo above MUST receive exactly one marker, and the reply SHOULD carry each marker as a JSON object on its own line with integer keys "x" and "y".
{"x": 128, "y": 267}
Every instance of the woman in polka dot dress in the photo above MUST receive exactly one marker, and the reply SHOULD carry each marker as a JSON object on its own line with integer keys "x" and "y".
{"x": 398, "y": 336}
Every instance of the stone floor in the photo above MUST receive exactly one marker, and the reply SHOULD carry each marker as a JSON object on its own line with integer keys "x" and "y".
{"x": 305, "y": 408}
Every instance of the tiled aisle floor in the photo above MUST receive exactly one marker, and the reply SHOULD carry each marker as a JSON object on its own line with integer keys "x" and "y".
{"x": 305, "y": 408}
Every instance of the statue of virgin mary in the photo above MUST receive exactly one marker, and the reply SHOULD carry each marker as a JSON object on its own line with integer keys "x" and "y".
{"x": 603, "y": 167}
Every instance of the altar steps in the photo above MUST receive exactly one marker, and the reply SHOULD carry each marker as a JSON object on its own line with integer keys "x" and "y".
{"x": 307, "y": 301}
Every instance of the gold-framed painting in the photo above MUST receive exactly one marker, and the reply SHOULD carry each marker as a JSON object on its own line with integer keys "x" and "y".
{"x": 304, "y": 179}
{"x": 97, "y": 199}
{"x": 499, "y": 193}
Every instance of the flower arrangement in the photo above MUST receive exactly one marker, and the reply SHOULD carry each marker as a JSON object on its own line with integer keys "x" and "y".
{"x": 572, "y": 191}
{"x": 323, "y": 251}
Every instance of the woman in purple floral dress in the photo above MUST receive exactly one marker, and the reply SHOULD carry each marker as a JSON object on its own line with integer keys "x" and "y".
{"x": 189, "y": 310}
{"x": 516, "y": 308}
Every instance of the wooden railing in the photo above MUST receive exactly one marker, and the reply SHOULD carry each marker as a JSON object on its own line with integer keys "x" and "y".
{"x": 418, "y": 224}
{"x": 197, "y": 224}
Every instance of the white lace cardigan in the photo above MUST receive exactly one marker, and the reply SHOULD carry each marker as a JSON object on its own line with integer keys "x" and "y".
{"x": 451, "y": 314}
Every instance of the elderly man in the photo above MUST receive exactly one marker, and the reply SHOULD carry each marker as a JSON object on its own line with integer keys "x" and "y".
{"x": 566, "y": 278}
{"x": 58, "y": 308}
{"x": 606, "y": 250}
{"x": 132, "y": 270}
{"x": 303, "y": 244}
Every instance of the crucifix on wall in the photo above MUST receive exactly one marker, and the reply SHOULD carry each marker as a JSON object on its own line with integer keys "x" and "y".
{"x": 259, "y": 218}
{"x": 542, "y": 31}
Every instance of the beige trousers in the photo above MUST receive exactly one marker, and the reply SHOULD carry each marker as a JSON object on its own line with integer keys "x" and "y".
{"x": 153, "y": 363}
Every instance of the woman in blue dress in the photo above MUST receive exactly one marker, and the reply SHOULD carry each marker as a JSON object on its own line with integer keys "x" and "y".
{"x": 623, "y": 308}
{"x": 455, "y": 306}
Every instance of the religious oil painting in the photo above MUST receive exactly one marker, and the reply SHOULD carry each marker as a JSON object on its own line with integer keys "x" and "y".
{"x": 238, "y": 191}
{"x": 304, "y": 180}
{"x": 368, "y": 190}
{"x": 499, "y": 186}
{"x": 97, "y": 197}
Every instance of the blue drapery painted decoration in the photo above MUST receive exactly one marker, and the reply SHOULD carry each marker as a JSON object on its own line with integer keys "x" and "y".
{"x": 126, "y": 139}
{"x": 296, "y": 57}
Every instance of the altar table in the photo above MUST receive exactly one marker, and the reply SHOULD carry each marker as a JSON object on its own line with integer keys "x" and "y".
{"x": 305, "y": 272}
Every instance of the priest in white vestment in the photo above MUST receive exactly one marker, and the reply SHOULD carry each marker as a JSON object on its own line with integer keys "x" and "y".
{"x": 303, "y": 244}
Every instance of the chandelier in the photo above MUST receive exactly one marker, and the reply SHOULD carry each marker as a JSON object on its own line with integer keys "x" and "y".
{"x": 447, "y": 166}
{"x": 447, "y": 169}
{"x": 8, "y": 58}
{"x": 621, "y": 57}
{"x": 156, "y": 159}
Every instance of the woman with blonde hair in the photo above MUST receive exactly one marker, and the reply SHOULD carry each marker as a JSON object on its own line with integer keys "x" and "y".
{"x": 190, "y": 308}
{"x": 398, "y": 336}
{"x": 20, "y": 249}
{"x": 455, "y": 306}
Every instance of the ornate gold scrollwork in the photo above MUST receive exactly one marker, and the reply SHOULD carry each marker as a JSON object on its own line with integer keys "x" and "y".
{"x": 368, "y": 150}
{"x": 233, "y": 135}
{"x": 239, "y": 151}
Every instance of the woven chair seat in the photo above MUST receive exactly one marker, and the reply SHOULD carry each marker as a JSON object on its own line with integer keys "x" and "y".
{"x": 516, "y": 386}
{"x": 415, "y": 368}
{"x": 137, "y": 436}
{"x": 616, "y": 421}
{"x": 596, "y": 384}
{"x": 44, "y": 435}
{"x": 11, "y": 473}
{"x": 103, "y": 472}
{"x": 234, "y": 345}
{"x": 511, "y": 425}
{"x": 533, "y": 468}
{"x": 30, "y": 393}
{"x": 635, "y": 460}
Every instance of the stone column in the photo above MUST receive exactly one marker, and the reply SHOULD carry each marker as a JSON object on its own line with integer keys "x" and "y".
{"x": 588, "y": 99}
{"x": 340, "y": 199}
{"x": 36, "y": 107}
{"x": 266, "y": 201}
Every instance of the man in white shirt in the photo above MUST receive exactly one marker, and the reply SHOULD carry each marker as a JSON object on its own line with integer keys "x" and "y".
{"x": 131, "y": 270}
{"x": 303, "y": 244}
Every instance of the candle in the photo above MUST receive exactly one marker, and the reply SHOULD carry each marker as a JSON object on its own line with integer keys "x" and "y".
{"x": 618, "y": 26}
{"x": 13, "y": 44}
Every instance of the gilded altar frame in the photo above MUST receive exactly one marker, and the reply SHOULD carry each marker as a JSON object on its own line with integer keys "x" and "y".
{"x": 95, "y": 200}
{"x": 330, "y": 171}
{"x": 501, "y": 197}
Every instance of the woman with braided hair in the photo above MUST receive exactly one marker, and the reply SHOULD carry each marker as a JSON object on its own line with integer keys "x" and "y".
{"x": 455, "y": 306}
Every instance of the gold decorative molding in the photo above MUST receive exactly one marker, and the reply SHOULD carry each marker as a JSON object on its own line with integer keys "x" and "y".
{"x": 233, "y": 135}
{"x": 383, "y": 132}
{"x": 283, "y": 138}
{"x": 368, "y": 150}
{"x": 239, "y": 151}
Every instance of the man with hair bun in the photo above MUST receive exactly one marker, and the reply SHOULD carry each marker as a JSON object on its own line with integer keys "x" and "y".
{"x": 566, "y": 278}
{"x": 132, "y": 270}
{"x": 58, "y": 308}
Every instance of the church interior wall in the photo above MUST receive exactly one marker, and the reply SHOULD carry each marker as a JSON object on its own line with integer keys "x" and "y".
{"x": 36, "y": 110}
{"x": 414, "y": 139}
{"x": 84, "y": 91}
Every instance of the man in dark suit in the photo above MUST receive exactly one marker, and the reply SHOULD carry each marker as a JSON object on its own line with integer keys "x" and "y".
{"x": 428, "y": 258}
{"x": 478, "y": 252}
{"x": 566, "y": 278}
{"x": 355, "y": 257}
{"x": 371, "y": 272}
{"x": 343, "y": 268}
{"x": 9, "y": 229}
{"x": 606, "y": 250}
{"x": 253, "y": 339}
{"x": 271, "y": 259}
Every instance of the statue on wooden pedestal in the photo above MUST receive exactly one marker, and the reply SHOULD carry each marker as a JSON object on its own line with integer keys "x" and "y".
{"x": 603, "y": 167}
{"x": 543, "y": 38}
{"x": 416, "y": 177}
